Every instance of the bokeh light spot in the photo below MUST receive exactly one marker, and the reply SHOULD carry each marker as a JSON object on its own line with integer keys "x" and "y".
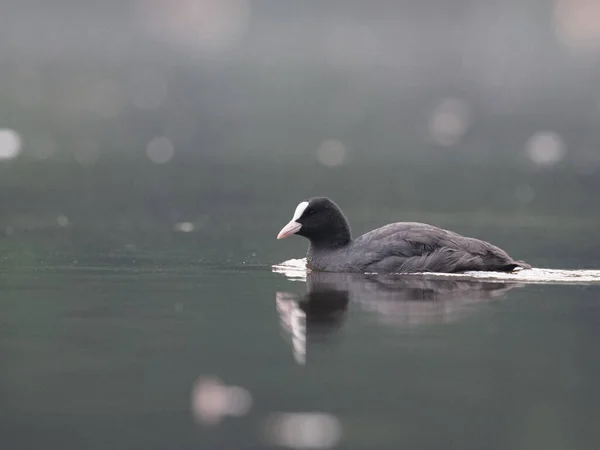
{"x": 10, "y": 144}
{"x": 577, "y": 23}
{"x": 449, "y": 121}
{"x": 62, "y": 221}
{"x": 239, "y": 401}
{"x": 545, "y": 148}
{"x": 303, "y": 430}
{"x": 160, "y": 150}
{"x": 212, "y": 400}
{"x": 331, "y": 153}
{"x": 184, "y": 227}
{"x": 209, "y": 25}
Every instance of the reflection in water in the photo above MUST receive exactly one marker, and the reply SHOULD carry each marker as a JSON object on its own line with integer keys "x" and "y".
{"x": 394, "y": 299}
{"x": 212, "y": 400}
{"x": 293, "y": 320}
{"x": 303, "y": 430}
{"x": 318, "y": 312}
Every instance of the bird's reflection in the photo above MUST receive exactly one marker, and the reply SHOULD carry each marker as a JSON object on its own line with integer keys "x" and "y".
{"x": 313, "y": 315}
{"x": 394, "y": 300}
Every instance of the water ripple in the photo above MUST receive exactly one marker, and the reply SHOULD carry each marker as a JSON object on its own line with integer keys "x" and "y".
{"x": 296, "y": 269}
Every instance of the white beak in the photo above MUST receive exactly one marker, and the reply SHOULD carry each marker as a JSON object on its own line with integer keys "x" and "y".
{"x": 291, "y": 228}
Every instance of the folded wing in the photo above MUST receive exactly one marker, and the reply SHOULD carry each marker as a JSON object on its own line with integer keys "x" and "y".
{"x": 415, "y": 247}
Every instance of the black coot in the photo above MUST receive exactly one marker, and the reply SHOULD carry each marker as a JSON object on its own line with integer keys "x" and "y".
{"x": 402, "y": 247}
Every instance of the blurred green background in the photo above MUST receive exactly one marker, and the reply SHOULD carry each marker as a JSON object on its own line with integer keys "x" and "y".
{"x": 151, "y": 150}
{"x": 142, "y": 115}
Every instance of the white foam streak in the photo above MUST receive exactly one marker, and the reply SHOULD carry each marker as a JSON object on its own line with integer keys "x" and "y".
{"x": 296, "y": 269}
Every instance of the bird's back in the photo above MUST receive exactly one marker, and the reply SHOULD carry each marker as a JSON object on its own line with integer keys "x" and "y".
{"x": 406, "y": 247}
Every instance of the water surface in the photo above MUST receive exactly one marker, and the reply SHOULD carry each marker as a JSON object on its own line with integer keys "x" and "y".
{"x": 180, "y": 342}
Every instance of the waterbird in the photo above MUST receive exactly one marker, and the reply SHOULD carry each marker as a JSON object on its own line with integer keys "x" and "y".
{"x": 401, "y": 247}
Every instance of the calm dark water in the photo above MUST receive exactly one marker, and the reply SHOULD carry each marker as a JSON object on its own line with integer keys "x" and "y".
{"x": 113, "y": 343}
{"x": 150, "y": 154}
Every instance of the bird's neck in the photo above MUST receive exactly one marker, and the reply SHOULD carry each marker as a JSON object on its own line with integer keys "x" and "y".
{"x": 332, "y": 241}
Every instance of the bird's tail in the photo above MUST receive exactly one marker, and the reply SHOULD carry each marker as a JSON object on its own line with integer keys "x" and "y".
{"x": 517, "y": 265}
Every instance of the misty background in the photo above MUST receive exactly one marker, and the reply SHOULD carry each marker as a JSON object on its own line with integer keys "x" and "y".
{"x": 151, "y": 150}
{"x": 172, "y": 115}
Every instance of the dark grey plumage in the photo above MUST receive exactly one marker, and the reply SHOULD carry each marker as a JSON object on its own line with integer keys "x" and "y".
{"x": 402, "y": 247}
